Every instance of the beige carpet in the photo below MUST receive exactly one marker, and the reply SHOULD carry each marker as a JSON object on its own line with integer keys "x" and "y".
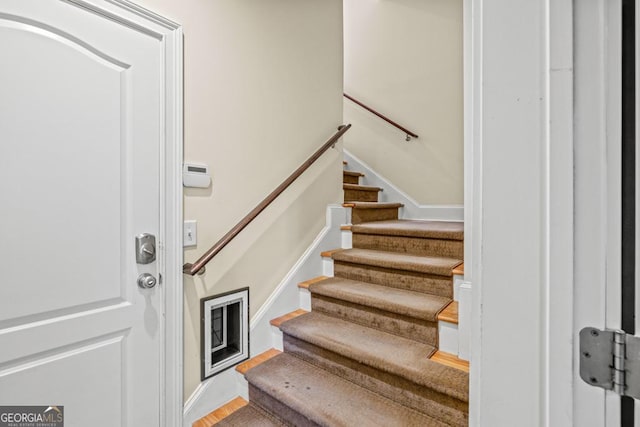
{"x": 361, "y": 357}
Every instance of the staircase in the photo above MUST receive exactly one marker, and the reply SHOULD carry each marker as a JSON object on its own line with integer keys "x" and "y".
{"x": 362, "y": 355}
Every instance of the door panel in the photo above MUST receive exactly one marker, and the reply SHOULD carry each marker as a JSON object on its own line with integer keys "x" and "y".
{"x": 50, "y": 373}
{"x": 51, "y": 150}
{"x": 79, "y": 178}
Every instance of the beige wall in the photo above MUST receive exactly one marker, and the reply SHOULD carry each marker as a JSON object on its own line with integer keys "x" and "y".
{"x": 263, "y": 84}
{"x": 404, "y": 59}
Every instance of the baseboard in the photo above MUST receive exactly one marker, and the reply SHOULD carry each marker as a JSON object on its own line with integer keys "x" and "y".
{"x": 229, "y": 384}
{"x": 211, "y": 394}
{"x": 412, "y": 209}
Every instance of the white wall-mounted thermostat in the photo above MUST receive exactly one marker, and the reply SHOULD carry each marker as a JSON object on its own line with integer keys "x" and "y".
{"x": 195, "y": 175}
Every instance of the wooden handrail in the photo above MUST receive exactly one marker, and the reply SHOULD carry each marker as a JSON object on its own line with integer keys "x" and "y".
{"x": 383, "y": 117}
{"x": 196, "y": 267}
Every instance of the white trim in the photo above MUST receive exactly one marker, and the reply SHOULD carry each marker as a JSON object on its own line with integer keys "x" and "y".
{"x": 468, "y": 94}
{"x": 241, "y": 297}
{"x": 530, "y": 99}
{"x": 146, "y": 14}
{"x": 174, "y": 317}
{"x": 557, "y": 295}
{"x": 612, "y": 65}
{"x": 211, "y": 394}
{"x": 596, "y": 132}
{"x": 114, "y": 17}
{"x": 464, "y": 319}
{"x": 474, "y": 26}
{"x": 412, "y": 209}
{"x": 218, "y": 390}
{"x": 171, "y": 157}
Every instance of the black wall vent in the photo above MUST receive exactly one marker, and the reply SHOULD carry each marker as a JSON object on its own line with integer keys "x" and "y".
{"x": 224, "y": 331}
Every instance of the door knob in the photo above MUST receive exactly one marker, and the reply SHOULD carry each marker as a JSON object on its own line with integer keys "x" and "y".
{"x": 146, "y": 281}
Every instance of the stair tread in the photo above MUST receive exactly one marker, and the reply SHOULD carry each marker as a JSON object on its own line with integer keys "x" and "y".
{"x": 393, "y": 354}
{"x": 395, "y": 260}
{"x": 450, "y": 313}
{"x": 307, "y": 283}
{"x": 371, "y": 205}
{"x": 450, "y": 360}
{"x": 360, "y": 187}
{"x": 404, "y": 302}
{"x": 222, "y": 412}
{"x": 278, "y": 320}
{"x": 459, "y": 270}
{"x": 413, "y": 228}
{"x": 352, "y": 173}
{"x": 329, "y": 253}
{"x": 327, "y": 399}
{"x": 256, "y": 360}
{"x": 249, "y": 415}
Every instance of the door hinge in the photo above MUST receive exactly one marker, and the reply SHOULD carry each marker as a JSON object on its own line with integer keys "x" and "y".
{"x": 610, "y": 359}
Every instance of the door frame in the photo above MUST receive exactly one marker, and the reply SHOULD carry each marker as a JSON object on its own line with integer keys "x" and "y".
{"x": 518, "y": 62}
{"x": 170, "y": 255}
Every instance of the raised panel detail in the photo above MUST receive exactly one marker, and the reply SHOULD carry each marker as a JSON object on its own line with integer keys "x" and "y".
{"x": 63, "y": 173}
{"x": 92, "y": 396}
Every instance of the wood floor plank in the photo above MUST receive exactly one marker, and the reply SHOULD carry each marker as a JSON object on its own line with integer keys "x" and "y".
{"x": 450, "y": 360}
{"x": 279, "y": 320}
{"x": 450, "y": 313}
{"x": 256, "y": 360}
{"x": 220, "y": 413}
{"x": 307, "y": 283}
{"x": 346, "y": 227}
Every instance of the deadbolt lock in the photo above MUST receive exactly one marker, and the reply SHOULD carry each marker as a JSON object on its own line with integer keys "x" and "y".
{"x": 145, "y": 248}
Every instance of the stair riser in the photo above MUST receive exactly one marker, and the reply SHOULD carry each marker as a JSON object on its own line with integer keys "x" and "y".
{"x": 399, "y": 389}
{"x": 277, "y": 409}
{"x": 407, "y": 327}
{"x": 367, "y": 215}
{"x": 350, "y": 179}
{"x": 410, "y": 245}
{"x": 360, "y": 196}
{"x": 402, "y": 279}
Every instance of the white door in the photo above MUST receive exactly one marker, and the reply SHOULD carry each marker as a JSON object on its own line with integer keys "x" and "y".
{"x": 80, "y": 133}
{"x": 602, "y": 236}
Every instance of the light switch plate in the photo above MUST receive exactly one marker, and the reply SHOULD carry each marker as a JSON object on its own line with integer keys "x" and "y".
{"x": 190, "y": 233}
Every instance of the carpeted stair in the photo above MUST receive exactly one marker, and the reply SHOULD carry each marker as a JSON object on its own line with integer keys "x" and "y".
{"x": 361, "y": 356}
{"x": 250, "y": 415}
